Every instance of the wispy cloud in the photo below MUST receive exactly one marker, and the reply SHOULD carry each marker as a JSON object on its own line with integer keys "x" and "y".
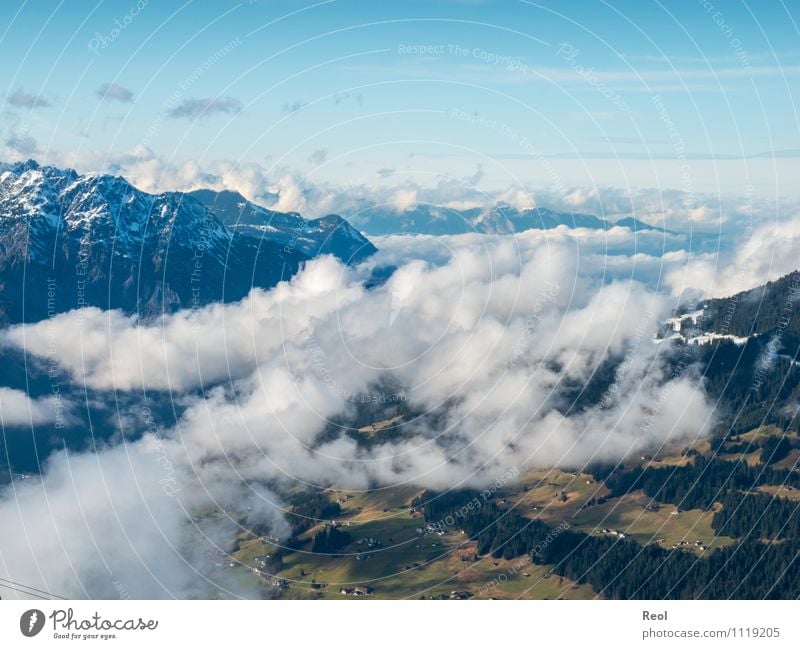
{"x": 292, "y": 106}
{"x": 198, "y": 108}
{"x": 318, "y": 157}
{"x": 701, "y": 59}
{"x": 22, "y": 144}
{"x": 341, "y": 97}
{"x": 115, "y": 92}
{"x": 611, "y": 139}
{"x": 638, "y": 77}
{"x": 22, "y": 99}
{"x": 646, "y": 75}
{"x": 650, "y": 155}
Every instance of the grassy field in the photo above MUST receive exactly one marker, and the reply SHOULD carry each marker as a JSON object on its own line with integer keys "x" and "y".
{"x": 552, "y": 495}
{"x": 407, "y": 565}
{"x": 392, "y": 554}
{"x": 631, "y": 516}
{"x": 790, "y": 461}
{"x": 757, "y": 436}
{"x": 763, "y": 432}
{"x": 404, "y": 564}
{"x": 675, "y": 456}
{"x": 411, "y": 568}
{"x": 780, "y": 491}
{"x": 752, "y": 458}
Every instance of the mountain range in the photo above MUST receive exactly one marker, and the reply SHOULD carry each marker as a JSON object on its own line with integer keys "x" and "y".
{"x": 70, "y": 240}
{"x": 329, "y": 234}
{"x": 498, "y": 219}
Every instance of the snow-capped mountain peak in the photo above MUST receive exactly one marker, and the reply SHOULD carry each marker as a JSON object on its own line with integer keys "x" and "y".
{"x": 101, "y": 241}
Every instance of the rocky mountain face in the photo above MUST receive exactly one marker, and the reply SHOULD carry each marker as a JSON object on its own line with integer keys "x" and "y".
{"x": 68, "y": 241}
{"x": 328, "y": 235}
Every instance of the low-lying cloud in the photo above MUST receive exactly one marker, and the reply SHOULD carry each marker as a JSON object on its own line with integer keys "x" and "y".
{"x": 18, "y": 409}
{"x": 763, "y": 252}
{"x": 486, "y": 338}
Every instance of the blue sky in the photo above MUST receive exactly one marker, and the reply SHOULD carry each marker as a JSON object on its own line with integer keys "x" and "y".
{"x": 535, "y": 92}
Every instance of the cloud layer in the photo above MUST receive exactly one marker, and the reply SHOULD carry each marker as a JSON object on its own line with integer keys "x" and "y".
{"x": 480, "y": 335}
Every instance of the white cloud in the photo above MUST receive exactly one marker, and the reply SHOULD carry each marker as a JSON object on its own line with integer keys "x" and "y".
{"x": 403, "y": 199}
{"x": 486, "y": 339}
{"x": 18, "y": 409}
{"x": 763, "y": 252}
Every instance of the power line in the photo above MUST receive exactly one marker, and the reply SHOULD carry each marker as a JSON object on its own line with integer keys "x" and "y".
{"x": 24, "y": 592}
{"x": 44, "y": 594}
